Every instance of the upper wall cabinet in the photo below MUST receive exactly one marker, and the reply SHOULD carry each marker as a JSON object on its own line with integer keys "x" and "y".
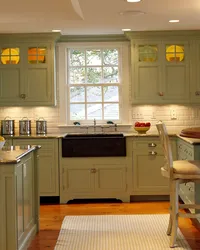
{"x": 164, "y": 67}
{"x": 27, "y": 71}
{"x": 195, "y": 72}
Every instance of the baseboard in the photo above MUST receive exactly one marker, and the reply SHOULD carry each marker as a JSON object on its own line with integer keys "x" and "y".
{"x": 49, "y": 200}
{"x": 29, "y": 237}
{"x": 134, "y": 198}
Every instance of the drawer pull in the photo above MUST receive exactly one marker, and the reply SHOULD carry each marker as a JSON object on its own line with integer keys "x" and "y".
{"x": 152, "y": 145}
{"x": 152, "y": 153}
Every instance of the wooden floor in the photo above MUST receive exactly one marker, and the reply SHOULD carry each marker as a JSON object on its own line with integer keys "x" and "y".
{"x": 51, "y": 217}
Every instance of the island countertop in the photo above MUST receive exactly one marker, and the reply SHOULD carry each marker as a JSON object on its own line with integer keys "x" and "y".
{"x": 13, "y": 154}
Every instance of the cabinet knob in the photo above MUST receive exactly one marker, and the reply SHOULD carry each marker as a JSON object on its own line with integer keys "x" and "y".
{"x": 161, "y": 94}
{"x": 152, "y": 153}
{"x": 152, "y": 145}
{"x": 197, "y": 92}
{"x": 93, "y": 170}
{"x": 23, "y": 96}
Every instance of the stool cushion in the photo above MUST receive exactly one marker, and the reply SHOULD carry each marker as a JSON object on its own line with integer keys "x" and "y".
{"x": 186, "y": 167}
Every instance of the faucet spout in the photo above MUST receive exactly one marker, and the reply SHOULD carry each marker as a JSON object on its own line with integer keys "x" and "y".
{"x": 95, "y": 125}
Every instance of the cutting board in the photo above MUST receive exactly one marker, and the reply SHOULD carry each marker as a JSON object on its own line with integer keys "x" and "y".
{"x": 191, "y": 132}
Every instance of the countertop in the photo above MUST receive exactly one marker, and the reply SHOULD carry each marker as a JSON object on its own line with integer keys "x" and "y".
{"x": 60, "y": 135}
{"x": 34, "y": 136}
{"x": 190, "y": 140}
{"x": 13, "y": 154}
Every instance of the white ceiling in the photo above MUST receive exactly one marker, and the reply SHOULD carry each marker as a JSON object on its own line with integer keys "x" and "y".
{"x": 89, "y": 17}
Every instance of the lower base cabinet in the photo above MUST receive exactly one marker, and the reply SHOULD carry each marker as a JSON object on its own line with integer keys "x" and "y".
{"x": 48, "y": 168}
{"x": 93, "y": 181}
{"x": 95, "y": 177}
{"x": 19, "y": 203}
{"x": 189, "y": 192}
{"x": 148, "y": 158}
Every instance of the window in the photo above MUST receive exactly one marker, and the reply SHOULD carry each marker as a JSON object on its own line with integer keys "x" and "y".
{"x": 91, "y": 85}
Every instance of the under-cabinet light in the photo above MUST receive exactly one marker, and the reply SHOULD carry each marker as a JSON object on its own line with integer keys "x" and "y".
{"x": 174, "y": 21}
{"x": 133, "y": 1}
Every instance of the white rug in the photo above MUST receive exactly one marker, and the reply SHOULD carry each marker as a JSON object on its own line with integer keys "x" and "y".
{"x": 117, "y": 232}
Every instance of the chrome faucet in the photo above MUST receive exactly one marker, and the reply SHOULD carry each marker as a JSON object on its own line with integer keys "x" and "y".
{"x": 95, "y": 125}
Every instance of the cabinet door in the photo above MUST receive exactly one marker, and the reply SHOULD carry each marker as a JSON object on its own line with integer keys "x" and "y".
{"x": 147, "y": 73}
{"x": 195, "y": 72}
{"x": 48, "y": 164}
{"x": 176, "y": 80}
{"x": 39, "y": 76}
{"x": 147, "y": 173}
{"x": 28, "y": 192}
{"x": 25, "y": 197}
{"x": 20, "y": 201}
{"x": 110, "y": 179}
{"x": 77, "y": 179}
{"x": 10, "y": 85}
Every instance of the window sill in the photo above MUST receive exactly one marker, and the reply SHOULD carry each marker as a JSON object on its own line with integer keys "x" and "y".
{"x": 91, "y": 126}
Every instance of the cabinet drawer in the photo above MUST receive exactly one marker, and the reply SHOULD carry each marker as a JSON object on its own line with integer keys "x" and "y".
{"x": 151, "y": 144}
{"x": 47, "y": 145}
{"x": 185, "y": 151}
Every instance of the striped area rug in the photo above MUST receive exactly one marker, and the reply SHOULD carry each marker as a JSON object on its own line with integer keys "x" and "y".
{"x": 117, "y": 232}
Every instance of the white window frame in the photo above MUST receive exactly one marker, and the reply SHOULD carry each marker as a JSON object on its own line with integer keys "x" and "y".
{"x": 62, "y": 71}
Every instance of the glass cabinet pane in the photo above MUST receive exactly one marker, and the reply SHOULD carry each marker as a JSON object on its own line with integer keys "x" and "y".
{"x": 175, "y": 53}
{"x": 10, "y": 55}
{"x": 37, "y": 55}
{"x": 148, "y": 53}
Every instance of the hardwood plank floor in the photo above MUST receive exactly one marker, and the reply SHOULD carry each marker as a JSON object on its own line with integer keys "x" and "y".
{"x": 51, "y": 217}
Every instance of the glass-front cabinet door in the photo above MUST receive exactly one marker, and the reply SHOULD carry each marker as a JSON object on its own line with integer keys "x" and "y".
{"x": 146, "y": 61}
{"x": 176, "y": 72}
{"x": 38, "y": 79}
{"x": 10, "y": 74}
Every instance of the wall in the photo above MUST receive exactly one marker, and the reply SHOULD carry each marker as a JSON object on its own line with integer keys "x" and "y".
{"x": 185, "y": 116}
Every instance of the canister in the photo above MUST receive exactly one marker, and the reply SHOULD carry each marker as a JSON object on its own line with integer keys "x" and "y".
{"x": 7, "y": 126}
{"x": 25, "y": 126}
{"x": 41, "y": 126}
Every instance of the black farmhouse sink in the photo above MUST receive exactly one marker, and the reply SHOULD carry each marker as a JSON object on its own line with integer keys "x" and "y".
{"x": 80, "y": 135}
{"x": 93, "y": 145}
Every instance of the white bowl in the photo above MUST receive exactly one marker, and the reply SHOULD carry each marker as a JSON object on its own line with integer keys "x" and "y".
{"x": 2, "y": 144}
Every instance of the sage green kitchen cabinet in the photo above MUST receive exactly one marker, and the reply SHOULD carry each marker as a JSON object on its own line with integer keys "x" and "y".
{"x": 158, "y": 78}
{"x": 19, "y": 203}
{"x": 27, "y": 76}
{"x": 160, "y": 67}
{"x": 48, "y": 164}
{"x": 95, "y": 177}
{"x": 189, "y": 192}
{"x": 148, "y": 158}
{"x": 195, "y": 72}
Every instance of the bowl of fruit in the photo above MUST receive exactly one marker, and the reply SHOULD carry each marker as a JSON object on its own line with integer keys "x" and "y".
{"x": 142, "y": 127}
{"x": 2, "y": 142}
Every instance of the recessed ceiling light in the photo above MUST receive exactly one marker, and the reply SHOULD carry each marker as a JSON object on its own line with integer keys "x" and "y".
{"x": 126, "y": 29}
{"x": 131, "y": 13}
{"x": 133, "y": 1}
{"x": 173, "y": 21}
{"x": 56, "y": 30}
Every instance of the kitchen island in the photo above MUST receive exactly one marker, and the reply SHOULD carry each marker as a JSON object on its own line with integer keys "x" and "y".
{"x": 19, "y": 196}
